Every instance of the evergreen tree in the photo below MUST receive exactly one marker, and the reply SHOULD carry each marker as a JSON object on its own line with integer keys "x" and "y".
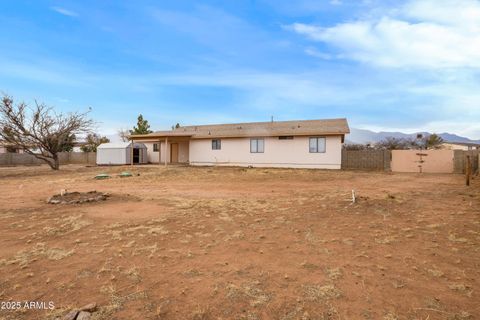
{"x": 142, "y": 126}
{"x": 433, "y": 141}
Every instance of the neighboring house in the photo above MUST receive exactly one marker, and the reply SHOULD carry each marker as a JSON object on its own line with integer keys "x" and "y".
{"x": 77, "y": 146}
{"x": 293, "y": 144}
{"x": 461, "y": 146}
{"x": 8, "y": 148}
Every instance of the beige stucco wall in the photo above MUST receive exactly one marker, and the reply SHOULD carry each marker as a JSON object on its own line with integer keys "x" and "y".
{"x": 278, "y": 153}
{"x": 436, "y": 161}
{"x": 454, "y": 146}
{"x": 153, "y": 155}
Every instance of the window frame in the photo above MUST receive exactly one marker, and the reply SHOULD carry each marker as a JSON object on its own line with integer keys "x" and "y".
{"x": 216, "y": 144}
{"x": 256, "y": 145}
{"x": 156, "y": 147}
{"x": 316, "y": 144}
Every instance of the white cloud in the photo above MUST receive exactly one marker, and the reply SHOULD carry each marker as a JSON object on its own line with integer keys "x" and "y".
{"x": 318, "y": 54}
{"x": 65, "y": 12}
{"x": 421, "y": 34}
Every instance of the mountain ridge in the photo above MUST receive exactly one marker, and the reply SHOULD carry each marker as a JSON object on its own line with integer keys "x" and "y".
{"x": 363, "y": 136}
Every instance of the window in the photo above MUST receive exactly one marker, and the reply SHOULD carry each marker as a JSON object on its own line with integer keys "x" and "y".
{"x": 216, "y": 144}
{"x": 317, "y": 145}
{"x": 285, "y": 138}
{"x": 155, "y": 147}
{"x": 256, "y": 145}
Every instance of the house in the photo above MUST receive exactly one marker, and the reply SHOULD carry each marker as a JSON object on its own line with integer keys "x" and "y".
{"x": 292, "y": 144}
{"x": 461, "y": 146}
{"x": 9, "y": 148}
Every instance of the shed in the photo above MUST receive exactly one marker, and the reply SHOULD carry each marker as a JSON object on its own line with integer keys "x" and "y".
{"x": 118, "y": 153}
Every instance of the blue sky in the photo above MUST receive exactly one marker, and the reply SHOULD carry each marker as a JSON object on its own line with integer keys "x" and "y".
{"x": 385, "y": 65}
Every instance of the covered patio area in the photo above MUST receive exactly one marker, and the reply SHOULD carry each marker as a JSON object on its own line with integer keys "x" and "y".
{"x": 168, "y": 147}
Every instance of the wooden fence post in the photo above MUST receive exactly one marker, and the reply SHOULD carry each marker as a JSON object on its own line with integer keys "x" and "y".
{"x": 468, "y": 169}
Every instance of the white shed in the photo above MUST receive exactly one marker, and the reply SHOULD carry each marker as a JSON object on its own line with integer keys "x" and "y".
{"x": 117, "y": 153}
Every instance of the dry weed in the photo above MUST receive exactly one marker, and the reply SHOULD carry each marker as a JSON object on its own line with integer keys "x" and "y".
{"x": 250, "y": 291}
{"x": 320, "y": 293}
{"x": 334, "y": 273}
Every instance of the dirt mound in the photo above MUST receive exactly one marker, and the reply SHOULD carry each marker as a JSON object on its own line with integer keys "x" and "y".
{"x": 77, "y": 197}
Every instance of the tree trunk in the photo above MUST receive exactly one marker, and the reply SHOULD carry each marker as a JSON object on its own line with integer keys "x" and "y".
{"x": 53, "y": 161}
{"x": 56, "y": 162}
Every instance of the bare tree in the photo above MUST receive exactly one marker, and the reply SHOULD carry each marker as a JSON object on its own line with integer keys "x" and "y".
{"x": 40, "y": 131}
{"x": 392, "y": 143}
{"x": 356, "y": 146}
{"x": 92, "y": 141}
{"x": 123, "y": 134}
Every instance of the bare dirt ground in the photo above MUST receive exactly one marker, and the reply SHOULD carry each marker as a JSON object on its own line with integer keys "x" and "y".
{"x": 232, "y": 243}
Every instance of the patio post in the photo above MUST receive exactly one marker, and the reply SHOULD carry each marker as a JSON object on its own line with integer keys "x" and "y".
{"x": 166, "y": 150}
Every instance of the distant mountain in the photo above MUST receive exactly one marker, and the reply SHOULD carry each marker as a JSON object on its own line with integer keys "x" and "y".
{"x": 367, "y": 136}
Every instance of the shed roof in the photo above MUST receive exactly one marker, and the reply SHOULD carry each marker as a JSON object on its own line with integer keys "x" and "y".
{"x": 253, "y": 129}
{"x": 120, "y": 145}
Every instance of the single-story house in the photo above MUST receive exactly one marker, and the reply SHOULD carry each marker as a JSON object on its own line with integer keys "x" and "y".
{"x": 292, "y": 144}
{"x": 461, "y": 146}
{"x": 118, "y": 153}
{"x": 9, "y": 148}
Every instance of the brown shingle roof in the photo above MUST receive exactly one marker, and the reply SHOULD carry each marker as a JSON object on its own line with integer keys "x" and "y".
{"x": 260, "y": 129}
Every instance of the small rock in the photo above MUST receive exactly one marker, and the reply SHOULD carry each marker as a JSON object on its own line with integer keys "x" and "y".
{"x": 71, "y": 315}
{"x": 83, "y": 315}
{"x": 91, "y": 307}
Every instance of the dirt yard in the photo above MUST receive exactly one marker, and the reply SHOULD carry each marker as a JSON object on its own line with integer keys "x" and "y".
{"x": 233, "y": 243}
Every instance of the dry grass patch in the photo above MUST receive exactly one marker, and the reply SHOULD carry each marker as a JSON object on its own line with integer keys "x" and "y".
{"x": 249, "y": 291}
{"x": 67, "y": 224}
{"x": 435, "y": 272}
{"x": 334, "y": 273}
{"x": 25, "y": 257}
{"x": 461, "y": 287}
{"x": 321, "y": 292}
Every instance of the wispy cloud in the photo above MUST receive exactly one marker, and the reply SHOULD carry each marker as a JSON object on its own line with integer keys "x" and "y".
{"x": 311, "y": 51}
{"x": 420, "y": 34}
{"x": 64, "y": 11}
